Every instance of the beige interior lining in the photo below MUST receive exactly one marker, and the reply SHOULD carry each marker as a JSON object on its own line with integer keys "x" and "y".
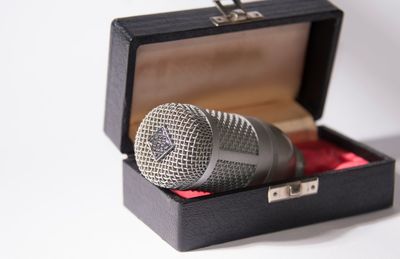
{"x": 256, "y": 73}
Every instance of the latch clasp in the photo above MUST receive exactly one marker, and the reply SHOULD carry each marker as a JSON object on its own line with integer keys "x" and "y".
{"x": 234, "y": 14}
{"x": 293, "y": 190}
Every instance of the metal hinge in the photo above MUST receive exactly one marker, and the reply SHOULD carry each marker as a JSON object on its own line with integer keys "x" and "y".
{"x": 234, "y": 14}
{"x": 293, "y": 190}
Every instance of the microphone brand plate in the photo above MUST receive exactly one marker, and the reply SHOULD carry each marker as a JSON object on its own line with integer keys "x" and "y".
{"x": 160, "y": 144}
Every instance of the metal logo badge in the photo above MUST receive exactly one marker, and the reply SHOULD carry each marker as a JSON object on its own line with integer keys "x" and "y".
{"x": 160, "y": 144}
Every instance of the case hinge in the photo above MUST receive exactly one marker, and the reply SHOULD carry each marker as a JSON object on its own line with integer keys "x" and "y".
{"x": 235, "y": 13}
{"x": 293, "y": 190}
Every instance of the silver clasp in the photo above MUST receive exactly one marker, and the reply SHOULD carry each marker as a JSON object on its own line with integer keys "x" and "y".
{"x": 293, "y": 190}
{"x": 233, "y": 14}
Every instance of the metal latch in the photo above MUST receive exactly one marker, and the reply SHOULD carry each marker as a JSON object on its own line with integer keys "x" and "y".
{"x": 293, "y": 190}
{"x": 234, "y": 14}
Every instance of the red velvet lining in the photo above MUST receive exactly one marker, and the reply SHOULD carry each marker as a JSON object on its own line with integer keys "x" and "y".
{"x": 319, "y": 156}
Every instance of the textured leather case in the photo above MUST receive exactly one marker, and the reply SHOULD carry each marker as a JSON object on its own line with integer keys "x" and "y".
{"x": 192, "y": 223}
{"x": 187, "y": 224}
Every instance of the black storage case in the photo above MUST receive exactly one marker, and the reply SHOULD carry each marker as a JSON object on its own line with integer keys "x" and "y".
{"x": 193, "y": 223}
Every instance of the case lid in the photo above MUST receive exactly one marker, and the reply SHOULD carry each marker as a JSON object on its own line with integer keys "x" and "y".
{"x": 183, "y": 57}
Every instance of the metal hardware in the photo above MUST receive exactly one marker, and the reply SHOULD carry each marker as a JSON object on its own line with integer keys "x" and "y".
{"x": 293, "y": 190}
{"x": 234, "y": 14}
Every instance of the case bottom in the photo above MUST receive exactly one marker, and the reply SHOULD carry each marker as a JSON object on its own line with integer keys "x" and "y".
{"x": 188, "y": 224}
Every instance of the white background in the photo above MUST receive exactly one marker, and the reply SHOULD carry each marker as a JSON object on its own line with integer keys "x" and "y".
{"x": 60, "y": 177}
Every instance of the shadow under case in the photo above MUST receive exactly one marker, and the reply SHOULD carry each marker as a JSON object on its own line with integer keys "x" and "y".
{"x": 276, "y": 68}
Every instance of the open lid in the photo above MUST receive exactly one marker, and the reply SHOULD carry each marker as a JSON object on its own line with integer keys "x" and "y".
{"x": 279, "y": 61}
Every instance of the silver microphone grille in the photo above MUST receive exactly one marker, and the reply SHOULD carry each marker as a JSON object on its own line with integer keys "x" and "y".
{"x": 236, "y": 135}
{"x": 175, "y": 142}
{"x": 183, "y": 128}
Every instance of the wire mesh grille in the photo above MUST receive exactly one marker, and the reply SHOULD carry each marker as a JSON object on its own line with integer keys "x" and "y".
{"x": 236, "y": 133}
{"x": 192, "y": 136}
{"x": 229, "y": 175}
{"x": 189, "y": 130}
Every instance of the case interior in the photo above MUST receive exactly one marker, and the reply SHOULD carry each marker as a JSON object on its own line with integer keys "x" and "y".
{"x": 254, "y": 73}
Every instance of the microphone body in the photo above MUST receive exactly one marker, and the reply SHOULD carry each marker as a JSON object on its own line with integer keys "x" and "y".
{"x": 181, "y": 146}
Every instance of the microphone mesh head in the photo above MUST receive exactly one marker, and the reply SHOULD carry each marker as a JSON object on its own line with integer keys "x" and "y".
{"x": 237, "y": 135}
{"x": 229, "y": 175}
{"x": 191, "y": 134}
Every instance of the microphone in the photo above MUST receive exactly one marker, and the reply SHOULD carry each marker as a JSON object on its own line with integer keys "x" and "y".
{"x": 182, "y": 147}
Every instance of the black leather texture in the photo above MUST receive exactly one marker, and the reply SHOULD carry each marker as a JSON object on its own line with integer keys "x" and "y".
{"x": 194, "y": 223}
